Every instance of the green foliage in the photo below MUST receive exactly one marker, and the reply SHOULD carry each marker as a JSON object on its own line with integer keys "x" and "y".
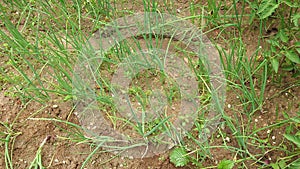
{"x": 294, "y": 139}
{"x": 295, "y": 19}
{"x": 279, "y": 165}
{"x": 282, "y": 164}
{"x": 226, "y": 164}
{"x": 179, "y": 157}
{"x": 291, "y": 3}
{"x": 292, "y": 56}
{"x": 266, "y": 8}
{"x": 282, "y": 54}
{"x": 275, "y": 64}
{"x": 294, "y": 165}
{"x": 47, "y": 49}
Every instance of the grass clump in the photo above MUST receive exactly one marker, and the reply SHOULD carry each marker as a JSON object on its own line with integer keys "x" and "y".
{"x": 42, "y": 41}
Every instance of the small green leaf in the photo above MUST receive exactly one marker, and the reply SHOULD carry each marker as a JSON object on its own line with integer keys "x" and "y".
{"x": 289, "y": 67}
{"x": 282, "y": 164}
{"x": 292, "y": 56}
{"x": 296, "y": 120}
{"x": 252, "y": 17}
{"x": 264, "y": 5}
{"x": 292, "y": 138}
{"x": 274, "y": 166}
{"x": 266, "y": 8}
{"x": 274, "y": 43}
{"x": 226, "y": 164}
{"x": 297, "y": 44}
{"x": 283, "y": 37}
{"x": 296, "y": 74}
{"x": 285, "y": 115}
{"x": 68, "y": 97}
{"x": 298, "y": 50}
{"x": 179, "y": 157}
{"x": 294, "y": 165}
{"x": 295, "y": 19}
{"x": 275, "y": 64}
{"x": 292, "y": 4}
{"x": 274, "y": 49}
{"x": 289, "y": 129}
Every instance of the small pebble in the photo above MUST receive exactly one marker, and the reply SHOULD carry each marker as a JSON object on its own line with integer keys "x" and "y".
{"x": 56, "y": 160}
{"x": 256, "y": 120}
{"x": 273, "y": 137}
{"x": 186, "y": 60}
{"x": 229, "y": 106}
{"x": 55, "y": 106}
